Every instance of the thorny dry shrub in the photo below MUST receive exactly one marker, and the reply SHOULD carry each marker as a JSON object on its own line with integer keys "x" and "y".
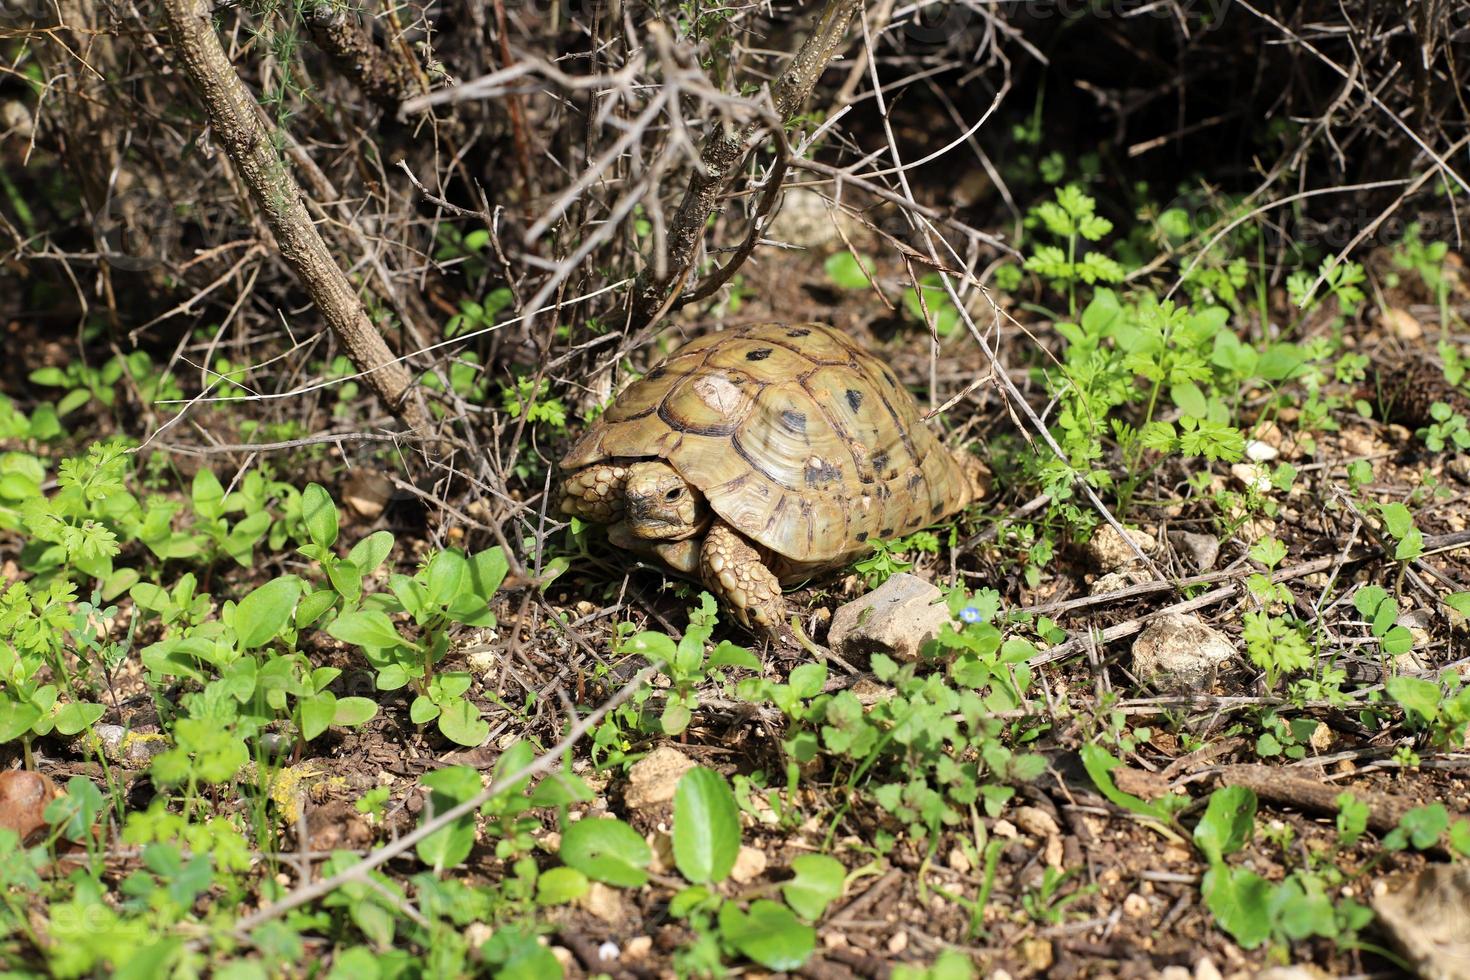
{"x": 530, "y": 173}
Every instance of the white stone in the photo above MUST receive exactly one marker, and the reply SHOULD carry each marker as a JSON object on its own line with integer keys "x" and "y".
{"x": 1108, "y": 551}
{"x": 897, "y": 619}
{"x": 653, "y": 778}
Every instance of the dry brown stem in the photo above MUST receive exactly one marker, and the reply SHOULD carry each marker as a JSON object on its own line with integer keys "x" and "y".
{"x": 234, "y": 120}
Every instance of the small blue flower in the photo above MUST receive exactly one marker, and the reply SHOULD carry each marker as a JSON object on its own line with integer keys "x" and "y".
{"x": 970, "y": 614}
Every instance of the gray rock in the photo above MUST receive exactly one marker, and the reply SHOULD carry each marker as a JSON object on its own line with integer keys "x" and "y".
{"x": 1200, "y": 551}
{"x": 1180, "y": 653}
{"x": 897, "y": 618}
{"x": 653, "y": 778}
{"x": 1429, "y": 919}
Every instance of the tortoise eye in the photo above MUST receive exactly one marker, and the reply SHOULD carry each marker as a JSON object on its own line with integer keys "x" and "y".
{"x": 674, "y": 493}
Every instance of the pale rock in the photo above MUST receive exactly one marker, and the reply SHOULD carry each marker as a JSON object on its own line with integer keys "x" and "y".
{"x": 750, "y": 864}
{"x": 1035, "y": 821}
{"x": 1201, "y": 551}
{"x": 807, "y": 219}
{"x": 608, "y": 951}
{"x": 1259, "y": 451}
{"x": 366, "y": 492}
{"x": 898, "y": 942}
{"x": 1108, "y": 551}
{"x": 1135, "y": 906}
{"x": 1119, "y": 580}
{"x": 565, "y": 958}
{"x": 1252, "y": 476}
{"x": 16, "y": 119}
{"x": 1038, "y": 954}
{"x": 1180, "y": 653}
{"x": 1175, "y": 973}
{"x": 653, "y": 778}
{"x": 1322, "y": 738}
{"x": 1006, "y": 829}
{"x": 1294, "y": 972}
{"x": 638, "y": 947}
{"x": 958, "y": 861}
{"x": 1054, "y": 853}
{"x": 869, "y": 692}
{"x": 477, "y": 934}
{"x": 1428, "y": 918}
{"x": 131, "y": 750}
{"x": 1206, "y": 969}
{"x": 1402, "y": 324}
{"x": 604, "y": 903}
{"x": 896, "y": 619}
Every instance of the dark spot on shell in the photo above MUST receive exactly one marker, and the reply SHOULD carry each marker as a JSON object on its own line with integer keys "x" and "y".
{"x": 862, "y": 535}
{"x": 795, "y": 421}
{"x": 937, "y": 509}
{"x": 912, "y": 524}
{"x": 820, "y": 473}
{"x": 880, "y": 460}
{"x": 657, "y": 373}
{"x": 854, "y": 399}
{"x": 887, "y": 532}
{"x": 914, "y": 481}
{"x": 798, "y": 332}
{"x": 892, "y": 381}
{"x": 758, "y": 355}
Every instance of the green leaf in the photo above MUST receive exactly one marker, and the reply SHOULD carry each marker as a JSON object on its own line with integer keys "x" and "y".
{"x": 706, "y": 826}
{"x": 1238, "y": 900}
{"x": 1228, "y": 822}
{"x": 487, "y": 571}
{"x": 1099, "y": 764}
{"x": 345, "y": 579}
{"x": 769, "y": 934}
{"x": 560, "y": 886}
{"x": 316, "y": 714}
{"x": 448, "y": 571}
{"x": 461, "y": 723}
{"x": 1459, "y": 602}
{"x": 312, "y": 607}
{"x": 77, "y": 716}
{"x": 207, "y": 495}
{"x": 818, "y": 883}
{"x": 727, "y": 654}
{"x": 52, "y": 377}
{"x": 369, "y": 553}
{"x": 354, "y": 711}
{"x": 368, "y": 628}
{"x": 449, "y": 787}
{"x": 319, "y": 514}
{"x": 72, "y": 400}
{"x": 263, "y": 613}
{"x": 606, "y": 850}
{"x": 847, "y": 271}
{"x": 1419, "y": 698}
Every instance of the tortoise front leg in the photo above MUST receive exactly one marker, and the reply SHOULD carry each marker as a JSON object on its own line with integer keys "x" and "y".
{"x": 595, "y": 493}
{"x": 733, "y": 570}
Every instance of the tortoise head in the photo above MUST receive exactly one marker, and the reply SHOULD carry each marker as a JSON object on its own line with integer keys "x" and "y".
{"x": 661, "y": 505}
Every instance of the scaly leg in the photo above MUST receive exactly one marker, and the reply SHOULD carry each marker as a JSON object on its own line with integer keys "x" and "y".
{"x": 733, "y": 570}
{"x": 595, "y": 493}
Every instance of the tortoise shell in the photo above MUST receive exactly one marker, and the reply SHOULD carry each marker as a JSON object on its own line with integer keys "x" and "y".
{"x": 798, "y": 438}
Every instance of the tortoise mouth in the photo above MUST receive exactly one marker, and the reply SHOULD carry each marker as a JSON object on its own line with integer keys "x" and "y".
{"x": 651, "y": 520}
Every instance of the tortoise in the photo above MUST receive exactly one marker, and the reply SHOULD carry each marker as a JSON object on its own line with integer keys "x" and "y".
{"x": 758, "y": 456}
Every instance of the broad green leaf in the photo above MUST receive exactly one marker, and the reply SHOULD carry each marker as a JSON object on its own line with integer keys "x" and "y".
{"x": 769, "y": 934}
{"x": 559, "y": 886}
{"x": 657, "y": 647}
{"x": 1228, "y": 822}
{"x": 1459, "y": 602}
{"x": 460, "y": 722}
{"x": 207, "y": 495}
{"x": 706, "y": 826}
{"x": 77, "y": 716}
{"x": 369, "y": 553}
{"x": 368, "y": 628}
{"x": 263, "y": 613}
{"x": 354, "y": 711}
{"x": 319, "y": 514}
{"x": 450, "y": 845}
{"x": 847, "y": 271}
{"x": 313, "y": 606}
{"x": 317, "y": 713}
{"x": 446, "y": 575}
{"x": 606, "y": 850}
{"x": 487, "y": 571}
{"x": 1238, "y": 900}
{"x": 346, "y": 579}
{"x": 727, "y": 654}
{"x": 818, "y": 883}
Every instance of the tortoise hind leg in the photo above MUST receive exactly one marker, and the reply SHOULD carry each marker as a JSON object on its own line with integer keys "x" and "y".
{"x": 733, "y": 570}
{"x": 595, "y": 493}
